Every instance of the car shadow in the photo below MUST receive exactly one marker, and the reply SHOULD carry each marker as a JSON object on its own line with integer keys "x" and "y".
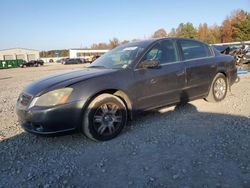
{"x": 174, "y": 146}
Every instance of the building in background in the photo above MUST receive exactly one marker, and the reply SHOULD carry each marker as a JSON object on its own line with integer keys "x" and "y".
{"x": 85, "y": 53}
{"x": 19, "y": 53}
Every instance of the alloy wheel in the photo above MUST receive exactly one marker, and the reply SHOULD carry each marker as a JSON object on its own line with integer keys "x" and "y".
{"x": 107, "y": 119}
{"x": 220, "y": 87}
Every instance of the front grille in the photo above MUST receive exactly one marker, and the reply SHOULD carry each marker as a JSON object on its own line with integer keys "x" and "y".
{"x": 25, "y": 99}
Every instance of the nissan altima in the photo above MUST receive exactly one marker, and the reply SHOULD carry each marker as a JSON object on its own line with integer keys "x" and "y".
{"x": 139, "y": 76}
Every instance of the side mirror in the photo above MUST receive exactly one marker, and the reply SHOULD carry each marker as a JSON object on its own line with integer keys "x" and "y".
{"x": 149, "y": 64}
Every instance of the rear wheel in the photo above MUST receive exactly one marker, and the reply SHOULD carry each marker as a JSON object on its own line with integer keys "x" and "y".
{"x": 218, "y": 89}
{"x": 104, "y": 118}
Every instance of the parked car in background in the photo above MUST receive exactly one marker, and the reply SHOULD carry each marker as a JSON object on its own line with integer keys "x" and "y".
{"x": 241, "y": 52}
{"x": 59, "y": 61}
{"x": 33, "y": 63}
{"x": 95, "y": 58}
{"x": 131, "y": 78}
{"x": 72, "y": 61}
{"x": 246, "y": 57}
{"x": 83, "y": 60}
{"x": 246, "y": 53}
{"x": 63, "y": 60}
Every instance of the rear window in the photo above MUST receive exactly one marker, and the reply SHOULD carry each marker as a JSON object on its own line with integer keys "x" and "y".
{"x": 193, "y": 49}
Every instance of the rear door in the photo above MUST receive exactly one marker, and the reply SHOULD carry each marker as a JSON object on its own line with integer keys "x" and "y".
{"x": 163, "y": 84}
{"x": 200, "y": 66}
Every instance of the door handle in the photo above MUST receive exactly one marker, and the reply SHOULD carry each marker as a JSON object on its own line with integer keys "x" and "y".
{"x": 153, "y": 81}
{"x": 212, "y": 66}
{"x": 180, "y": 73}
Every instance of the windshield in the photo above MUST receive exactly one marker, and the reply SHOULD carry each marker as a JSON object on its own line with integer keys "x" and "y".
{"x": 119, "y": 57}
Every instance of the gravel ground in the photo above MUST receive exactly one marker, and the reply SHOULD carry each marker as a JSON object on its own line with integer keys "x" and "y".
{"x": 197, "y": 145}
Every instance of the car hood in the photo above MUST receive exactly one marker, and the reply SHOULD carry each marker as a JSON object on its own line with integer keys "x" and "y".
{"x": 56, "y": 81}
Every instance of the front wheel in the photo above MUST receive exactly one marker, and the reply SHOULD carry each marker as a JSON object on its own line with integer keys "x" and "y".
{"x": 218, "y": 88}
{"x": 104, "y": 118}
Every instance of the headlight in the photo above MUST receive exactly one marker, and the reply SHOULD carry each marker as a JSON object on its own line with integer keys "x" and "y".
{"x": 52, "y": 98}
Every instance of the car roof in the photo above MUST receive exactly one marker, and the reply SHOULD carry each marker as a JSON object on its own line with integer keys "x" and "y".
{"x": 148, "y": 41}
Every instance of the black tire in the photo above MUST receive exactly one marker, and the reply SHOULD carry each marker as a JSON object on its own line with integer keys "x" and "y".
{"x": 218, "y": 89}
{"x": 104, "y": 118}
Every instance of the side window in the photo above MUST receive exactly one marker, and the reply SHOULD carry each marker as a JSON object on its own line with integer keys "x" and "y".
{"x": 164, "y": 52}
{"x": 193, "y": 49}
{"x": 154, "y": 53}
{"x": 169, "y": 53}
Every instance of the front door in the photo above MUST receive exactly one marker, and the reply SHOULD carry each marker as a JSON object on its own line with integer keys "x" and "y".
{"x": 162, "y": 84}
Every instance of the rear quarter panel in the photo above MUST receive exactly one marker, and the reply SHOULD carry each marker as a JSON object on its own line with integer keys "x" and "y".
{"x": 226, "y": 65}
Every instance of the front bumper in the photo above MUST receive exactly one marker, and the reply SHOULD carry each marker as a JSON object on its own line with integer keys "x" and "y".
{"x": 41, "y": 120}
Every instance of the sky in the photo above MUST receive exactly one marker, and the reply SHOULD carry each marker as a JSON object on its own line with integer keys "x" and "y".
{"x": 64, "y": 24}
